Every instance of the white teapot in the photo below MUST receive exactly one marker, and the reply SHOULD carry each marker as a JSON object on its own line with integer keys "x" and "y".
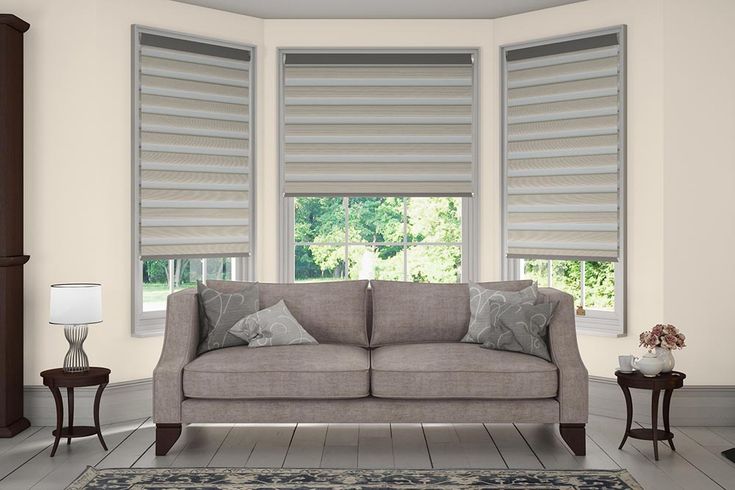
{"x": 649, "y": 365}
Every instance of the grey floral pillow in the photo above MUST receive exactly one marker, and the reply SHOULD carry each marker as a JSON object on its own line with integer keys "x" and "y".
{"x": 486, "y": 305}
{"x": 218, "y": 311}
{"x": 523, "y": 328}
{"x": 272, "y": 326}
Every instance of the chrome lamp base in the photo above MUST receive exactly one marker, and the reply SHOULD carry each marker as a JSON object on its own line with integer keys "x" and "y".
{"x": 75, "y": 360}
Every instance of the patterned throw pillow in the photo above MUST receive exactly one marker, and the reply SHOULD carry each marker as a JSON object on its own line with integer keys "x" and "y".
{"x": 523, "y": 328}
{"x": 272, "y": 326}
{"x": 486, "y": 305}
{"x": 218, "y": 311}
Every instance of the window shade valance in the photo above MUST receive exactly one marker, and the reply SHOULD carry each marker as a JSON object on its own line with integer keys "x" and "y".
{"x": 378, "y": 124}
{"x": 193, "y": 164}
{"x": 563, "y": 148}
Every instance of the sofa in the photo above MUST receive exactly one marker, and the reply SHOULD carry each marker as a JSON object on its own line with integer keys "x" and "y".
{"x": 388, "y": 352}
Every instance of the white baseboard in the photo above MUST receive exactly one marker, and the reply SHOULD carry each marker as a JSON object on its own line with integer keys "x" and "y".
{"x": 128, "y": 400}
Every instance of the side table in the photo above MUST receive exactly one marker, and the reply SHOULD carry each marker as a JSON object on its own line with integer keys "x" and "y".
{"x": 58, "y": 378}
{"x": 667, "y": 382}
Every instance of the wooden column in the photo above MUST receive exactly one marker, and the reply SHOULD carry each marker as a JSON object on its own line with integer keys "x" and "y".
{"x": 11, "y": 225}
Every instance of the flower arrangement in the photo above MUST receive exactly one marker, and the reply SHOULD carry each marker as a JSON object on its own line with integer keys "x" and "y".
{"x": 666, "y": 336}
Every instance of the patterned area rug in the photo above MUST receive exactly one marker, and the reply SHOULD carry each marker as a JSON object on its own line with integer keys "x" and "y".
{"x": 324, "y": 479}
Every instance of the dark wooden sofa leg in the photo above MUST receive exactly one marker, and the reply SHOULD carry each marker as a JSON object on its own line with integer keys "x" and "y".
{"x": 573, "y": 435}
{"x": 166, "y": 436}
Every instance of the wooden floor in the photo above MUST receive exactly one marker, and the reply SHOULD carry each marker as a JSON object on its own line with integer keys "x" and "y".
{"x": 25, "y": 461}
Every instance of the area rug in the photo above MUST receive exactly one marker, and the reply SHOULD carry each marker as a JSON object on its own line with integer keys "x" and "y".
{"x": 324, "y": 479}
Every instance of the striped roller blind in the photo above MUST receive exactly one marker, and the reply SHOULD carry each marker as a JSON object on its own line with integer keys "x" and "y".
{"x": 193, "y": 148}
{"x": 378, "y": 124}
{"x": 563, "y": 149}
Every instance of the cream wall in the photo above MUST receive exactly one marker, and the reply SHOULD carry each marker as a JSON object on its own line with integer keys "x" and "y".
{"x": 78, "y": 157}
{"x": 77, "y": 163}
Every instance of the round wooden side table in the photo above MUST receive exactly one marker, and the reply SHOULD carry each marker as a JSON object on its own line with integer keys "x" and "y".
{"x": 667, "y": 382}
{"x": 58, "y": 378}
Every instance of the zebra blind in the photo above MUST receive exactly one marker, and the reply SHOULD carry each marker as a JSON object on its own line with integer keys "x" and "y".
{"x": 378, "y": 124}
{"x": 563, "y": 156}
{"x": 193, "y": 148}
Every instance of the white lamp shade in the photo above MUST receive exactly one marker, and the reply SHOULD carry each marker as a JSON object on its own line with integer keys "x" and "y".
{"x": 75, "y": 304}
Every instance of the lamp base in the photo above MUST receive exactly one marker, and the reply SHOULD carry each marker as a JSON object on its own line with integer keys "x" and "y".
{"x": 75, "y": 360}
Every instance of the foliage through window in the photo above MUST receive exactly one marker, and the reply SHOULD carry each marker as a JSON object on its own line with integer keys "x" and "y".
{"x": 394, "y": 238}
{"x": 162, "y": 277}
{"x": 591, "y": 283}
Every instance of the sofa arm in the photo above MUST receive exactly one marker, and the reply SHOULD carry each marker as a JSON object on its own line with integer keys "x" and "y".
{"x": 180, "y": 343}
{"x": 573, "y": 380}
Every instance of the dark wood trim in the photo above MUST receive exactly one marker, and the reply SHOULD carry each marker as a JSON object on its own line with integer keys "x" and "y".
{"x": 12, "y": 257}
{"x": 574, "y": 436}
{"x": 166, "y": 436}
{"x": 15, "y": 22}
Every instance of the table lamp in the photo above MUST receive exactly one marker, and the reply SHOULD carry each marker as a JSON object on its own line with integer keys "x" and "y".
{"x": 75, "y": 305}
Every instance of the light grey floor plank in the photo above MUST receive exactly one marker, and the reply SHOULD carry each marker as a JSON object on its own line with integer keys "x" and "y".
{"x": 445, "y": 447}
{"x": 717, "y": 468}
{"x": 704, "y": 436}
{"x": 306, "y": 446}
{"x": 236, "y": 448}
{"x": 374, "y": 446}
{"x": 44, "y": 472}
{"x": 409, "y": 446}
{"x": 607, "y": 433}
{"x": 40, "y": 441}
{"x": 271, "y": 446}
{"x": 204, "y": 441}
{"x": 725, "y": 432}
{"x": 12, "y": 442}
{"x": 549, "y": 449}
{"x": 674, "y": 465}
{"x": 128, "y": 452}
{"x": 478, "y": 446}
{"x": 340, "y": 446}
{"x": 513, "y": 448}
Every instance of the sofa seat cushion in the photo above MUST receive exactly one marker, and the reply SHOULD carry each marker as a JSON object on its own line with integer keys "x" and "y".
{"x": 459, "y": 370}
{"x": 289, "y": 371}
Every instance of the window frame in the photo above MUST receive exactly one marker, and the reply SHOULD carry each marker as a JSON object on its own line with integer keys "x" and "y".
{"x": 470, "y": 205}
{"x": 288, "y": 250}
{"x": 152, "y": 323}
{"x": 595, "y": 322}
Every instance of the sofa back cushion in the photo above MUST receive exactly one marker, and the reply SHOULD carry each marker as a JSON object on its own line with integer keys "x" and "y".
{"x": 332, "y": 312}
{"x": 411, "y": 313}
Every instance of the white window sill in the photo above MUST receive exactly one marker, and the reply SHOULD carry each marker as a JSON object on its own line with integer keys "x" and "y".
{"x": 610, "y": 326}
{"x": 150, "y": 324}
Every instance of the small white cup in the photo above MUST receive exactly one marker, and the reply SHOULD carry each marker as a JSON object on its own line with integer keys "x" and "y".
{"x": 625, "y": 363}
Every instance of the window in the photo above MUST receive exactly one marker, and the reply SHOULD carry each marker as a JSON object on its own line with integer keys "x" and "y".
{"x": 378, "y": 164}
{"x": 192, "y": 167}
{"x": 563, "y": 137}
{"x": 392, "y": 238}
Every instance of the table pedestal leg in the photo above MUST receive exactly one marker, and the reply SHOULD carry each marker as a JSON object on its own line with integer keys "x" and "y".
{"x": 654, "y": 421}
{"x": 629, "y": 412}
{"x": 70, "y": 403}
{"x": 667, "y": 406}
{"x": 59, "y": 417}
{"x": 97, "y": 399}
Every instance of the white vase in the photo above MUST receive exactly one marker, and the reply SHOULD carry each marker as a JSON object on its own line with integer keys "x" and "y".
{"x": 667, "y": 357}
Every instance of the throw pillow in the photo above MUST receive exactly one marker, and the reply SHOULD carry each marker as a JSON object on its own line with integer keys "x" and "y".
{"x": 523, "y": 328}
{"x": 486, "y": 305}
{"x": 272, "y": 326}
{"x": 218, "y": 311}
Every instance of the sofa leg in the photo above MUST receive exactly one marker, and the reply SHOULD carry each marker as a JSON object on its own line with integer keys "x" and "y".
{"x": 574, "y": 436}
{"x": 166, "y": 436}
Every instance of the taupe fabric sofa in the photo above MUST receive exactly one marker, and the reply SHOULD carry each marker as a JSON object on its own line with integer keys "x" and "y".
{"x": 388, "y": 353}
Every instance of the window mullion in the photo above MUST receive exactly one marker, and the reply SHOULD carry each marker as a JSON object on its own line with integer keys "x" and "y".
{"x": 346, "y": 206}
{"x": 171, "y": 265}
{"x": 549, "y": 278}
{"x": 405, "y": 239}
{"x": 581, "y": 284}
